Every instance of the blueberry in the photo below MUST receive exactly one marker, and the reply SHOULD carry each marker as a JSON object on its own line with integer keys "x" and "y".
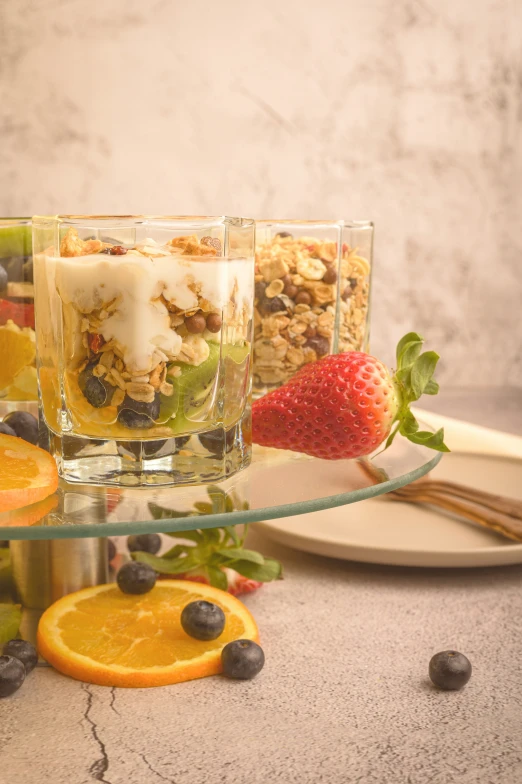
{"x": 5, "y": 430}
{"x": 24, "y": 652}
{"x": 214, "y": 440}
{"x": 12, "y": 675}
{"x": 242, "y": 659}
{"x": 450, "y": 670}
{"x": 3, "y": 280}
{"x": 136, "y": 415}
{"x": 147, "y": 543}
{"x": 24, "y": 424}
{"x": 203, "y": 620}
{"x": 136, "y": 578}
{"x": 95, "y": 392}
{"x": 111, "y": 550}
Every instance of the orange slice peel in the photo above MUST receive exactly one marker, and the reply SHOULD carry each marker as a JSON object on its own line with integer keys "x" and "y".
{"x": 103, "y": 636}
{"x": 28, "y": 474}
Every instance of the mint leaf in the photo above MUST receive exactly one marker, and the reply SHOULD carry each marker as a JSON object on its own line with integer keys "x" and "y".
{"x": 411, "y": 337}
{"x": 176, "y": 551}
{"x": 232, "y": 533}
{"x": 270, "y": 570}
{"x": 164, "y": 565}
{"x": 237, "y": 553}
{"x": 431, "y": 388}
{"x": 218, "y": 498}
{"x": 212, "y": 535}
{"x": 10, "y": 620}
{"x": 192, "y": 536}
{"x": 160, "y": 513}
{"x": 421, "y": 372}
{"x": 217, "y": 577}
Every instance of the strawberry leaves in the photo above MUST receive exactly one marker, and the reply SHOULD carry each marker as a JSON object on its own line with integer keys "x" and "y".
{"x": 414, "y": 378}
{"x": 209, "y": 551}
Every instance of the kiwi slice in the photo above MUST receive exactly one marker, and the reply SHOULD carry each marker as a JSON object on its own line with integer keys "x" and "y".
{"x": 189, "y": 408}
{"x": 15, "y": 241}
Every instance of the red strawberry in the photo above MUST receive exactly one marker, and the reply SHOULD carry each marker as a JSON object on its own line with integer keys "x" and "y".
{"x": 346, "y": 405}
{"x": 237, "y": 584}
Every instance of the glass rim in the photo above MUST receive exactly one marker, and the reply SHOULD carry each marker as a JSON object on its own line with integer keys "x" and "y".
{"x": 17, "y": 221}
{"x": 341, "y": 223}
{"x": 204, "y": 220}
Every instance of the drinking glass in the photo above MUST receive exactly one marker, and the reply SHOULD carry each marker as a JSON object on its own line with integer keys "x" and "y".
{"x": 143, "y": 331}
{"x": 18, "y": 386}
{"x": 312, "y": 294}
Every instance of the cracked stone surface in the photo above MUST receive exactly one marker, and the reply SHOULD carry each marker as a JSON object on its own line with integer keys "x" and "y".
{"x": 344, "y": 696}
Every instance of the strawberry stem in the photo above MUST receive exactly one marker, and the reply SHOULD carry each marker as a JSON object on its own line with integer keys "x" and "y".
{"x": 414, "y": 378}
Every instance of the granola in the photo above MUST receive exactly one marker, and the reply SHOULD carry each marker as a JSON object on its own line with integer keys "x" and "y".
{"x": 308, "y": 303}
{"x": 138, "y": 323}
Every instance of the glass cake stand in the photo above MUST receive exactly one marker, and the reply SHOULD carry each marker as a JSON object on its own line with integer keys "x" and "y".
{"x": 58, "y": 545}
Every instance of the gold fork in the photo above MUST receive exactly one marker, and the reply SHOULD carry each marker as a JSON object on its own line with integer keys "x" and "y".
{"x": 499, "y": 514}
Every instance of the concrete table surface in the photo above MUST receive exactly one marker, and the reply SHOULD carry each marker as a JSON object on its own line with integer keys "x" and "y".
{"x": 344, "y": 696}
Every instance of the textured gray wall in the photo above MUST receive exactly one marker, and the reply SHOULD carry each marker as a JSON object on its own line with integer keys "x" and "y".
{"x": 403, "y": 111}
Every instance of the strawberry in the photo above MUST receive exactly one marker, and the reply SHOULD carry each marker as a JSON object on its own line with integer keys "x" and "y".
{"x": 346, "y": 405}
{"x": 237, "y": 583}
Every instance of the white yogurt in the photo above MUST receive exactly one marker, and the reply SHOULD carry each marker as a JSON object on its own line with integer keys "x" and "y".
{"x": 139, "y": 324}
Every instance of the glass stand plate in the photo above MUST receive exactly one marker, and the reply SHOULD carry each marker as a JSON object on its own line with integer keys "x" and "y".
{"x": 277, "y": 484}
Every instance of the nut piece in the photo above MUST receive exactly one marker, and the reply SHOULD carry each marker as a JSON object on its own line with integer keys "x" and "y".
{"x": 214, "y": 322}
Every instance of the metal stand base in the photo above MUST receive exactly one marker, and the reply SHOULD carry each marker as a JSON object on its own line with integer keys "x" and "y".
{"x": 44, "y": 571}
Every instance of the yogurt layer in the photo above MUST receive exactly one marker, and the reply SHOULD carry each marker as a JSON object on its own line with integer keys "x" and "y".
{"x": 140, "y": 321}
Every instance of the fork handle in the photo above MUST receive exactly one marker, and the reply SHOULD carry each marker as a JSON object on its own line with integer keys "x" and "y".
{"x": 496, "y": 521}
{"x": 496, "y": 503}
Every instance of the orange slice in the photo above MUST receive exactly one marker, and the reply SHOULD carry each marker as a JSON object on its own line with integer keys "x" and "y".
{"x": 17, "y": 350}
{"x": 101, "y": 635}
{"x": 27, "y": 473}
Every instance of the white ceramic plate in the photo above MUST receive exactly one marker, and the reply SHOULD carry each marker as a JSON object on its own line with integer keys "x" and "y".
{"x": 387, "y": 532}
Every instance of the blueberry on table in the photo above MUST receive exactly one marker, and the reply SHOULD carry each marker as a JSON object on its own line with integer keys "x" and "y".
{"x": 136, "y": 415}
{"x": 24, "y": 424}
{"x": 146, "y": 543}
{"x": 12, "y": 675}
{"x": 242, "y": 659}
{"x": 136, "y": 578}
{"x": 5, "y": 430}
{"x": 24, "y": 652}
{"x": 203, "y": 620}
{"x": 450, "y": 670}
